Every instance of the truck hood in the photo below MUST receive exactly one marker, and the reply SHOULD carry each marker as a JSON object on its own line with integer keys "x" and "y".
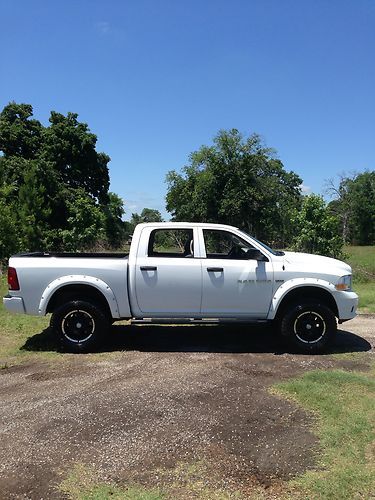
{"x": 318, "y": 262}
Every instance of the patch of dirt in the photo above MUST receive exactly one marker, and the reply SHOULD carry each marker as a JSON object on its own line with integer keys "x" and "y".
{"x": 163, "y": 396}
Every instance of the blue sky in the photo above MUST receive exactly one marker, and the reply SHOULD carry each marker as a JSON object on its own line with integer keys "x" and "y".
{"x": 156, "y": 79}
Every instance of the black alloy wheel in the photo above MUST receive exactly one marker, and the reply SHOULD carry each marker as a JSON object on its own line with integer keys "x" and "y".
{"x": 310, "y": 326}
{"x": 80, "y": 325}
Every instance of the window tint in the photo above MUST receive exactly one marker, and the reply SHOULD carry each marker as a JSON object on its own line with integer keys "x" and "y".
{"x": 171, "y": 243}
{"x": 225, "y": 245}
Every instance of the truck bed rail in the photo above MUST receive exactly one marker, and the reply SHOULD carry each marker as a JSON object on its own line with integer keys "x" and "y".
{"x": 83, "y": 255}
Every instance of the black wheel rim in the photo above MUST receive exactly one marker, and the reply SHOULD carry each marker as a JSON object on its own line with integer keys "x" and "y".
{"x": 309, "y": 327}
{"x": 78, "y": 326}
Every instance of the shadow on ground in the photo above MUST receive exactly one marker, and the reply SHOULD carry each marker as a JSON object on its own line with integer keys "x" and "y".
{"x": 196, "y": 338}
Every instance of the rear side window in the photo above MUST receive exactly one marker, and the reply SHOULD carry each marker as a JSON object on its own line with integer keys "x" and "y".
{"x": 171, "y": 243}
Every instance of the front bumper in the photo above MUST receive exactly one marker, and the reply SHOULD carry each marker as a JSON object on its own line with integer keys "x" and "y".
{"x": 347, "y": 303}
{"x": 14, "y": 304}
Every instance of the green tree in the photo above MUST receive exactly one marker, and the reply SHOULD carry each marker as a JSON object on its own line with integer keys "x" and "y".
{"x": 115, "y": 227}
{"x": 19, "y": 134}
{"x": 67, "y": 144}
{"x": 236, "y": 181}
{"x": 354, "y": 205}
{"x": 147, "y": 215}
{"x": 33, "y": 209}
{"x": 316, "y": 228}
{"x": 151, "y": 215}
{"x": 86, "y": 223}
{"x": 9, "y": 237}
{"x": 362, "y": 195}
{"x": 70, "y": 145}
{"x": 49, "y": 167}
{"x": 28, "y": 187}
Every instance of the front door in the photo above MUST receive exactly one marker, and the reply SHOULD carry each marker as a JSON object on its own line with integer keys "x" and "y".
{"x": 169, "y": 277}
{"x": 234, "y": 283}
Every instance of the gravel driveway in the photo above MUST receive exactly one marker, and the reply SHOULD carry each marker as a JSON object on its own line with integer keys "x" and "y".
{"x": 159, "y": 396}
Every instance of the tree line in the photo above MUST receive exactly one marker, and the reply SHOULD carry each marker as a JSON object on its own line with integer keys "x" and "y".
{"x": 239, "y": 181}
{"x": 54, "y": 192}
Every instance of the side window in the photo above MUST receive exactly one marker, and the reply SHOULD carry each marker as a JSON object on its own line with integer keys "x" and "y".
{"x": 171, "y": 243}
{"x": 226, "y": 245}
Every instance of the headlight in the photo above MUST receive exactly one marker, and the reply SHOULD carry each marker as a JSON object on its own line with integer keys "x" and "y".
{"x": 344, "y": 283}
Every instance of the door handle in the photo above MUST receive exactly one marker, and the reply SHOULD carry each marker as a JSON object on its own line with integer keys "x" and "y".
{"x": 148, "y": 268}
{"x": 215, "y": 269}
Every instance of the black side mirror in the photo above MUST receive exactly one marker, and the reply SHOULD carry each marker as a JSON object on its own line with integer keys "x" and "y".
{"x": 255, "y": 254}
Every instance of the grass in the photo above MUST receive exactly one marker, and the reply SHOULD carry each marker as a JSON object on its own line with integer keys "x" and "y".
{"x": 199, "y": 479}
{"x": 366, "y": 293}
{"x": 82, "y": 484}
{"x": 344, "y": 405}
{"x": 362, "y": 260}
{"x": 15, "y": 330}
{"x": 185, "y": 481}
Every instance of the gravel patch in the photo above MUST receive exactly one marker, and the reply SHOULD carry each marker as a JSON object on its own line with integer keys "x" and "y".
{"x": 161, "y": 396}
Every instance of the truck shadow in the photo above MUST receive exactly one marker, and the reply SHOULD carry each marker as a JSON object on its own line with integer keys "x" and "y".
{"x": 196, "y": 338}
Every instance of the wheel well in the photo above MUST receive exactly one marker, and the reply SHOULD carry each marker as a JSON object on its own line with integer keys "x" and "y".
{"x": 78, "y": 292}
{"x": 306, "y": 293}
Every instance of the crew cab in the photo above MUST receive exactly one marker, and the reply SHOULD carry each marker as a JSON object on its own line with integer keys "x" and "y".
{"x": 185, "y": 272}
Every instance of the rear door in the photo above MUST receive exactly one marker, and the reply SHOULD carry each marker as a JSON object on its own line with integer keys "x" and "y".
{"x": 234, "y": 283}
{"x": 168, "y": 276}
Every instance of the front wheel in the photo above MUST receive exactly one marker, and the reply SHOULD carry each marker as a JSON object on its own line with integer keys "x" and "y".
{"x": 79, "y": 324}
{"x": 309, "y": 326}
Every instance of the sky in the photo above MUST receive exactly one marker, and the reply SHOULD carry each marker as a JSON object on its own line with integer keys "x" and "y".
{"x": 156, "y": 79}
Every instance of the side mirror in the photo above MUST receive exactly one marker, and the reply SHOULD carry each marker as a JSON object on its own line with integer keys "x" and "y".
{"x": 255, "y": 254}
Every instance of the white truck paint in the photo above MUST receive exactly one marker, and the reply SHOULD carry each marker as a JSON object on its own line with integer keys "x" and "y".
{"x": 244, "y": 281}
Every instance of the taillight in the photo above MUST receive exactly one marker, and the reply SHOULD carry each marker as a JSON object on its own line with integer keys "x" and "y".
{"x": 13, "y": 279}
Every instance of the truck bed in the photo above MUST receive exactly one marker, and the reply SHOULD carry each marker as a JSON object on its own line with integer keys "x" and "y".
{"x": 40, "y": 274}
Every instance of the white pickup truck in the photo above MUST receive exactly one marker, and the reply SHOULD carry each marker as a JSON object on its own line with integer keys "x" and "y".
{"x": 185, "y": 272}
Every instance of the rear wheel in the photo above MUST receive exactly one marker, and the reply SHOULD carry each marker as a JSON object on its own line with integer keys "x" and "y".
{"x": 79, "y": 324}
{"x": 309, "y": 326}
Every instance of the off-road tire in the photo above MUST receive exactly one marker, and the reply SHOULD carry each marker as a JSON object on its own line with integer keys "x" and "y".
{"x": 309, "y": 326}
{"x": 80, "y": 325}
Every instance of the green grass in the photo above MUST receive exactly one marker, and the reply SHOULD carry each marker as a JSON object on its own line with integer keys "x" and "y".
{"x": 82, "y": 484}
{"x": 344, "y": 405}
{"x": 201, "y": 480}
{"x": 15, "y": 331}
{"x": 366, "y": 293}
{"x": 187, "y": 480}
{"x": 362, "y": 260}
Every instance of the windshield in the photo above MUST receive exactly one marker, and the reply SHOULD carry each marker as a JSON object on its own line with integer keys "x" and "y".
{"x": 274, "y": 252}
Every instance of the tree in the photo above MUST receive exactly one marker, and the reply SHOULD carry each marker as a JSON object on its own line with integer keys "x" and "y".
{"x": 33, "y": 208}
{"x": 151, "y": 215}
{"x": 67, "y": 144}
{"x": 340, "y": 207}
{"x": 361, "y": 192}
{"x": 236, "y": 181}
{"x": 147, "y": 215}
{"x": 86, "y": 223}
{"x": 115, "y": 227}
{"x": 9, "y": 239}
{"x": 46, "y": 169}
{"x": 316, "y": 228}
{"x": 19, "y": 134}
{"x": 354, "y": 205}
{"x": 70, "y": 145}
